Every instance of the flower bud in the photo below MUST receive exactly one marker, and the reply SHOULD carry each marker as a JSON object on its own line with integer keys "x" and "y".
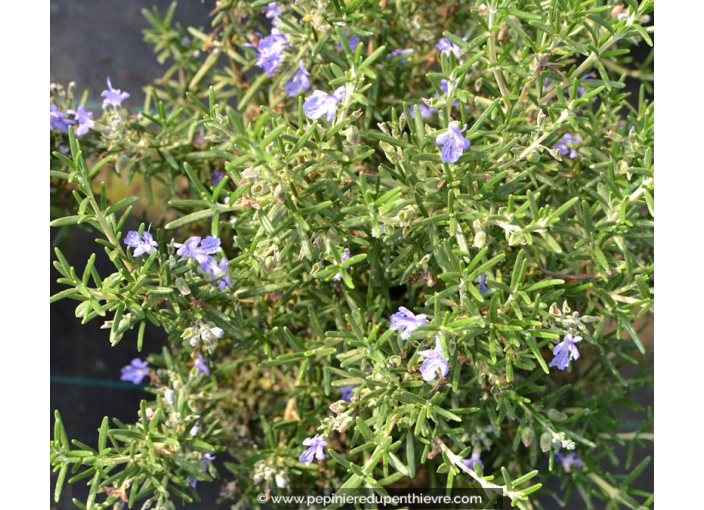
{"x": 545, "y": 442}
{"x": 352, "y": 135}
{"x": 533, "y": 157}
{"x": 480, "y": 239}
{"x": 556, "y": 415}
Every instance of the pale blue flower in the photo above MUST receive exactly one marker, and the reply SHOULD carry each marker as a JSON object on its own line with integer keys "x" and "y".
{"x": 315, "y": 449}
{"x": 399, "y": 53}
{"x": 85, "y": 121}
{"x": 434, "y": 360}
{"x": 58, "y": 120}
{"x": 192, "y": 481}
{"x": 217, "y": 270}
{"x": 272, "y": 11}
{"x": 353, "y": 41}
{"x": 135, "y": 371}
{"x": 320, "y": 103}
{"x": 407, "y": 321}
{"x": 347, "y": 392}
{"x": 113, "y": 96}
{"x": 470, "y": 461}
{"x": 447, "y": 47}
{"x": 208, "y": 457}
{"x": 208, "y": 246}
{"x": 425, "y": 111}
{"x": 345, "y": 256}
{"x": 565, "y": 149}
{"x": 565, "y": 351}
{"x": 481, "y": 280}
{"x": 454, "y": 144}
{"x": 568, "y": 461}
{"x": 201, "y": 366}
{"x": 189, "y": 248}
{"x": 140, "y": 244}
{"x": 445, "y": 87}
{"x": 299, "y": 81}
{"x": 271, "y": 49}
{"x": 216, "y": 176}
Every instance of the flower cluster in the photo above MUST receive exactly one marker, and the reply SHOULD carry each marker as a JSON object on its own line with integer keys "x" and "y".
{"x": 58, "y": 120}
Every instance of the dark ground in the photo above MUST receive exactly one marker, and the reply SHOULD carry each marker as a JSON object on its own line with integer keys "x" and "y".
{"x": 90, "y": 40}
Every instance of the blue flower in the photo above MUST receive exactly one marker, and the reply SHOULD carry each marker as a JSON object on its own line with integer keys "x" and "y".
{"x": 565, "y": 150}
{"x": 353, "y": 41}
{"x": 271, "y": 49}
{"x": 470, "y": 461}
{"x": 407, "y": 320}
{"x": 192, "y": 481}
{"x": 445, "y": 87}
{"x": 321, "y": 103}
{"x": 135, "y": 371}
{"x": 113, "y": 96}
{"x": 58, "y": 120}
{"x": 399, "y": 53}
{"x": 216, "y": 176}
{"x": 565, "y": 351}
{"x": 140, "y": 244}
{"x": 85, "y": 121}
{"x": 481, "y": 280}
{"x": 453, "y": 142}
{"x": 445, "y": 46}
{"x": 299, "y": 81}
{"x": 201, "y": 366}
{"x": 273, "y": 11}
{"x": 209, "y": 246}
{"x": 569, "y": 460}
{"x": 425, "y": 111}
{"x": 315, "y": 449}
{"x": 215, "y": 270}
{"x": 345, "y": 256}
{"x": 208, "y": 457}
{"x": 434, "y": 359}
{"x": 347, "y": 392}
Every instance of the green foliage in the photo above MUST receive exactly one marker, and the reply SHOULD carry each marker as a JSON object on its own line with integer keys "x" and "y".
{"x": 564, "y": 239}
